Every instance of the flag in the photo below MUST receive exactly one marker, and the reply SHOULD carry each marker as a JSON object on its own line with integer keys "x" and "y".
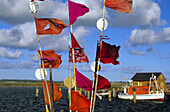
{"x": 103, "y": 83}
{"x": 80, "y": 56}
{"x": 76, "y": 10}
{"x": 56, "y": 93}
{"x": 79, "y": 102}
{"x": 36, "y": 0}
{"x": 75, "y": 44}
{"x": 83, "y": 82}
{"x": 51, "y": 58}
{"x": 49, "y": 26}
{"x": 119, "y": 5}
{"x": 109, "y": 53}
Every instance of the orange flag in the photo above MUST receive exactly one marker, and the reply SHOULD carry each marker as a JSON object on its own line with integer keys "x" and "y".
{"x": 79, "y": 102}
{"x": 51, "y": 58}
{"x": 56, "y": 93}
{"x": 119, "y": 5}
{"x": 49, "y": 26}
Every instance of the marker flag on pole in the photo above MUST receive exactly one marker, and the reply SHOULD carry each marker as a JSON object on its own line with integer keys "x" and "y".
{"x": 119, "y": 5}
{"x": 74, "y": 42}
{"x": 83, "y": 82}
{"x": 80, "y": 56}
{"x": 109, "y": 53}
{"x": 51, "y": 58}
{"x": 79, "y": 102}
{"x": 56, "y": 93}
{"x": 49, "y": 26}
{"x": 76, "y": 10}
{"x": 103, "y": 83}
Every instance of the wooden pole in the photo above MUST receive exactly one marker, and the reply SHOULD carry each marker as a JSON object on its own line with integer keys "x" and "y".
{"x": 73, "y": 63}
{"x": 134, "y": 96}
{"x": 51, "y": 89}
{"x": 48, "y": 94}
{"x": 96, "y": 76}
{"x": 114, "y": 93}
{"x": 37, "y": 91}
{"x": 46, "y": 107}
{"x": 110, "y": 96}
{"x": 69, "y": 90}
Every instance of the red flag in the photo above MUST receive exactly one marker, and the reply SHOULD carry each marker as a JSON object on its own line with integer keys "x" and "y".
{"x": 79, "y": 102}
{"x": 83, "y": 82}
{"x": 75, "y": 44}
{"x": 76, "y": 10}
{"x": 51, "y": 58}
{"x": 49, "y": 26}
{"x": 119, "y": 5}
{"x": 80, "y": 56}
{"x": 36, "y": 0}
{"x": 103, "y": 83}
{"x": 56, "y": 93}
{"x": 109, "y": 53}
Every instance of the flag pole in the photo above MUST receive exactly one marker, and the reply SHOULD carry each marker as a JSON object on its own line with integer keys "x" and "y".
{"x": 48, "y": 94}
{"x": 73, "y": 56}
{"x": 42, "y": 82}
{"x": 69, "y": 91}
{"x": 97, "y": 65}
{"x": 51, "y": 88}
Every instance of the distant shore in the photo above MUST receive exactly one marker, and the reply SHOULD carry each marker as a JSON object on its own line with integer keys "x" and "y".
{"x": 37, "y": 83}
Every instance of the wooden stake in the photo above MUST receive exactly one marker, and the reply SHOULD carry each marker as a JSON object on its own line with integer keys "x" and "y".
{"x": 110, "y": 96}
{"x": 114, "y": 93}
{"x": 134, "y": 96}
{"x": 37, "y": 91}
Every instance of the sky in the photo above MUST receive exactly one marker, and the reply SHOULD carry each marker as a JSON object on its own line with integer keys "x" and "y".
{"x": 144, "y": 37}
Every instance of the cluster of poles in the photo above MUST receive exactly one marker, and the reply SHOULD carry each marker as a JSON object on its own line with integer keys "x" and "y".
{"x": 96, "y": 72}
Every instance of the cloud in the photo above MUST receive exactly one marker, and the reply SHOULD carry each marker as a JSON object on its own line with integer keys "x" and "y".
{"x": 136, "y": 53}
{"x": 8, "y": 54}
{"x": 19, "y": 37}
{"x": 132, "y": 70}
{"x": 143, "y": 37}
{"x": 145, "y": 13}
{"x": 33, "y": 56}
{"x": 7, "y": 65}
{"x": 60, "y": 43}
{"x": 26, "y": 65}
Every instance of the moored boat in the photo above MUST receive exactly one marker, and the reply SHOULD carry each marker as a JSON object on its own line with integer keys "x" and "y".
{"x": 143, "y": 92}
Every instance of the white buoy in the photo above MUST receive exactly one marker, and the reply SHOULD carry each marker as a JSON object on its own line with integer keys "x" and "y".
{"x": 92, "y": 66}
{"x": 34, "y": 7}
{"x": 39, "y": 74}
{"x": 102, "y": 24}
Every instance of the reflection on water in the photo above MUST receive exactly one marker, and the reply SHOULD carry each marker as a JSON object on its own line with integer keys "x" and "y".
{"x": 22, "y": 99}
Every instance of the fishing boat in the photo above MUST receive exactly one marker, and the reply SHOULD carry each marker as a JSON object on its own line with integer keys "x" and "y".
{"x": 143, "y": 92}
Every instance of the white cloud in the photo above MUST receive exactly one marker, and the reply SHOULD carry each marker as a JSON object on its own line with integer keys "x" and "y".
{"x": 21, "y": 36}
{"x": 141, "y": 37}
{"x": 33, "y": 56}
{"x": 132, "y": 70}
{"x": 8, "y": 54}
{"x": 137, "y": 53}
{"x": 26, "y": 65}
{"x": 145, "y": 13}
{"x": 7, "y": 65}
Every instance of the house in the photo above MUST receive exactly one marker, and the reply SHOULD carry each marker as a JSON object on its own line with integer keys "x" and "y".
{"x": 143, "y": 79}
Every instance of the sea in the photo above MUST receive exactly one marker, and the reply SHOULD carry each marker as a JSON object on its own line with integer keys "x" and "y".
{"x": 22, "y": 99}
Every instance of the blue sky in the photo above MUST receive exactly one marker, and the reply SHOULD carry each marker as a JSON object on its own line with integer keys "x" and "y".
{"x": 144, "y": 37}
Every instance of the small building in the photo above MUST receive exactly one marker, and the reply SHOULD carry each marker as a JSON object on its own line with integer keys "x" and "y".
{"x": 143, "y": 79}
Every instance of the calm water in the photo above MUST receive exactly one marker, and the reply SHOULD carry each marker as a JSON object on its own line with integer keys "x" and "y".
{"x": 22, "y": 99}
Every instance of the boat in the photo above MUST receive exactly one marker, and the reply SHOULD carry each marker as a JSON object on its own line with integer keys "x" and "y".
{"x": 143, "y": 92}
